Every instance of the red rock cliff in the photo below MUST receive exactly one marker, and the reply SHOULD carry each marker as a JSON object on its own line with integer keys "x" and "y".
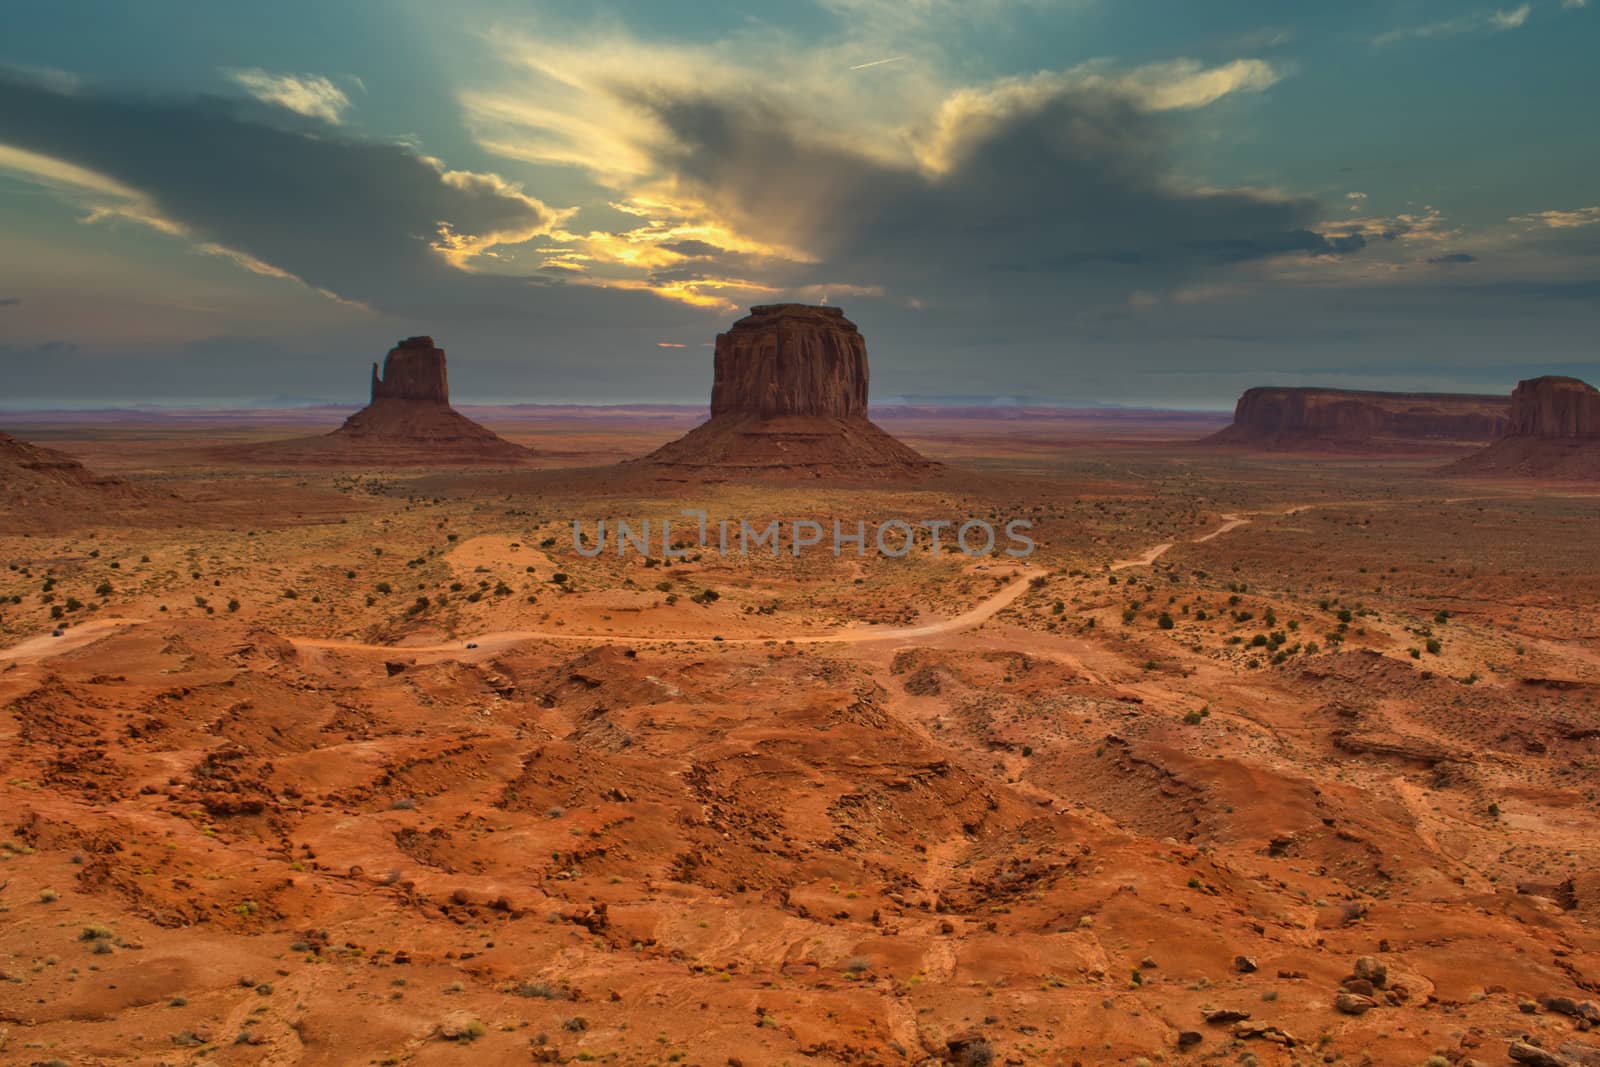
{"x": 413, "y": 370}
{"x": 1271, "y": 414}
{"x": 791, "y": 359}
{"x": 1553, "y": 406}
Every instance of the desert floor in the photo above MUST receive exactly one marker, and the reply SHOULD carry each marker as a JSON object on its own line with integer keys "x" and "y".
{"x": 1245, "y": 728}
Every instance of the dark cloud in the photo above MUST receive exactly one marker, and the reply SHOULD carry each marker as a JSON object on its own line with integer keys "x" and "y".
{"x": 692, "y": 248}
{"x": 357, "y": 218}
{"x": 10, "y": 301}
{"x": 1450, "y": 258}
{"x": 1076, "y": 180}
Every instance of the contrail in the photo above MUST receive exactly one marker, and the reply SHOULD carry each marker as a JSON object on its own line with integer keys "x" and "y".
{"x": 879, "y": 62}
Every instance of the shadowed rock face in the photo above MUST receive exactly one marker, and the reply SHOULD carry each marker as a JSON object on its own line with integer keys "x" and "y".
{"x": 789, "y": 399}
{"x": 791, "y": 359}
{"x": 1554, "y": 406}
{"x": 1554, "y": 433}
{"x": 1272, "y": 415}
{"x": 413, "y": 370}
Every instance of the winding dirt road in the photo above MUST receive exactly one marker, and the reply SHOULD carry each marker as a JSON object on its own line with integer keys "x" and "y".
{"x": 46, "y": 646}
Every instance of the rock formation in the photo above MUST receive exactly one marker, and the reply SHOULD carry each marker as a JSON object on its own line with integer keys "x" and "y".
{"x": 41, "y": 486}
{"x": 409, "y": 422}
{"x": 413, "y": 370}
{"x": 1273, "y": 417}
{"x": 791, "y": 359}
{"x": 789, "y": 397}
{"x": 1555, "y": 407}
{"x": 1554, "y": 432}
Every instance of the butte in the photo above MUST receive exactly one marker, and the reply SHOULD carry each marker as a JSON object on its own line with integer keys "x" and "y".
{"x": 1554, "y": 433}
{"x": 788, "y": 400}
{"x": 408, "y": 422}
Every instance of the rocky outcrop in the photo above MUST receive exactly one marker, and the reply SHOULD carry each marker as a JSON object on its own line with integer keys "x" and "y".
{"x": 788, "y": 399}
{"x": 1555, "y": 407}
{"x": 413, "y": 370}
{"x": 1276, "y": 417}
{"x": 42, "y": 487}
{"x": 1554, "y": 433}
{"x": 791, "y": 359}
{"x": 409, "y": 423}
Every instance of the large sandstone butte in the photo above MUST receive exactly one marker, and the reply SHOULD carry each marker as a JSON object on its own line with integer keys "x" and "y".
{"x": 409, "y": 422}
{"x": 1288, "y": 417}
{"x": 789, "y": 397}
{"x": 1554, "y": 432}
{"x": 414, "y": 370}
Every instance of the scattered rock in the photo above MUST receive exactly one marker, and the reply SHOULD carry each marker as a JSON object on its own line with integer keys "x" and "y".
{"x": 1246, "y": 1031}
{"x": 1245, "y": 964}
{"x": 1371, "y": 969}
{"x": 460, "y": 1026}
{"x": 1582, "y": 1055}
{"x": 1522, "y": 1052}
{"x": 1354, "y": 1003}
{"x": 1587, "y": 1011}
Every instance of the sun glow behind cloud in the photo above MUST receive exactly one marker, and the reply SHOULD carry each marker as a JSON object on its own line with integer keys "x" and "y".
{"x": 606, "y": 106}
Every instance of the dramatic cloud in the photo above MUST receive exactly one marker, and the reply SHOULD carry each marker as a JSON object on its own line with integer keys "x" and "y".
{"x": 371, "y": 222}
{"x": 758, "y": 170}
{"x": 1049, "y": 175}
{"x": 1453, "y": 258}
{"x": 305, "y": 94}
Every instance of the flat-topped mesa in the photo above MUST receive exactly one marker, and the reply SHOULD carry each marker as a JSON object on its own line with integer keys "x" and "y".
{"x": 414, "y": 370}
{"x": 1271, "y": 415}
{"x": 1554, "y": 406}
{"x": 791, "y": 359}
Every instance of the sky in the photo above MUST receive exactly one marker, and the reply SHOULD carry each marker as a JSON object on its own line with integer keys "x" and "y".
{"x": 1153, "y": 202}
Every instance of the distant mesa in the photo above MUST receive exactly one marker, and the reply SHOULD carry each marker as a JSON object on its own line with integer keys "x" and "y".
{"x": 789, "y": 398}
{"x": 1311, "y": 418}
{"x": 409, "y": 422}
{"x": 1554, "y": 432}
